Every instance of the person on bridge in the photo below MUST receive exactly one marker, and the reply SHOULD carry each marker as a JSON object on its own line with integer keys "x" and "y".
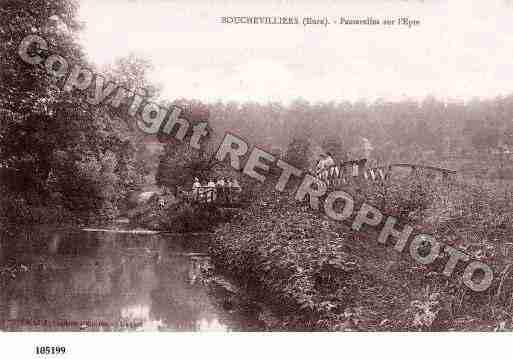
{"x": 234, "y": 190}
{"x": 325, "y": 166}
{"x": 329, "y": 165}
{"x": 221, "y": 189}
{"x": 211, "y": 191}
{"x": 319, "y": 168}
{"x": 196, "y": 187}
{"x": 234, "y": 185}
{"x": 328, "y": 162}
{"x": 161, "y": 203}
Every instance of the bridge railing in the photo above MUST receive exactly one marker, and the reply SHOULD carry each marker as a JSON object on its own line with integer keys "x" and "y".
{"x": 343, "y": 173}
{"x": 416, "y": 169}
{"x": 214, "y": 195}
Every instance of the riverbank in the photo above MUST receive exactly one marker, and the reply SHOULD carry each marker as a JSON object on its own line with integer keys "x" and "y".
{"x": 317, "y": 274}
{"x": 290, "y": 260}
{"x": 16, "y": 210}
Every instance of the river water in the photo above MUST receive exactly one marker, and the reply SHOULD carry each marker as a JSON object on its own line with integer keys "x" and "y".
{"x": 110, "y": 279}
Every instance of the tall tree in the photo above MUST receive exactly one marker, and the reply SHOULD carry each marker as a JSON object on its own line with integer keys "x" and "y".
{"x": 68, "y": 152}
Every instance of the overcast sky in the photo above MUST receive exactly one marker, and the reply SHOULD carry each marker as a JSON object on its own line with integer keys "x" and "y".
{"x": 460, "y": 50}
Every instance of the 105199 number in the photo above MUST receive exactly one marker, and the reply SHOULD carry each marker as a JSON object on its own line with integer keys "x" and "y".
{"x": 50, "y": 350}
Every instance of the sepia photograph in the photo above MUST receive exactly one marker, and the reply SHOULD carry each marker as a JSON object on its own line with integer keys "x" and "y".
{"x": 284, "y": 166}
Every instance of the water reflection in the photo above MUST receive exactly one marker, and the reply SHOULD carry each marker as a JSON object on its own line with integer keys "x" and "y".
{"x": 78, "y": 280}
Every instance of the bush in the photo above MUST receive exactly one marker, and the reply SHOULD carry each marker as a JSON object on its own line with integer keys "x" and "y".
{"x": 289, "y": 260}
{"x": 319, "y": 275}
{"x": 18, "y": 210}
{"x": 184, "y": 217}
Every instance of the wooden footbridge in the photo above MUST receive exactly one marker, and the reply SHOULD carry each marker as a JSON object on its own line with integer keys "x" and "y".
{"x": 336, "y": 176}
{"x": 356, "y": 170}
{"x": 220, "y": 196}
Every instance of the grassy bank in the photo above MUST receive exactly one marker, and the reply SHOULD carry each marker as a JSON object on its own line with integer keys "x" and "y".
{"x": 292, "y": 260}
{"x": 319, "y": 275}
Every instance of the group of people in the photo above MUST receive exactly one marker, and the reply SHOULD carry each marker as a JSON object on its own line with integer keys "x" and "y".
{"x": 214, "y": 190}
{"x": 325, "y": 166}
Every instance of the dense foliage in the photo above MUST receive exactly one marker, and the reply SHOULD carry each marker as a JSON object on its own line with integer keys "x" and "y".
{"x": 432, "y": 130}
{"x": 59, "y": 155}
{"x": 319, "y": 274}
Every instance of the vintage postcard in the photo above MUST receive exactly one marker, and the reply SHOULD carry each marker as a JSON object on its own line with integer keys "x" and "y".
{"x": 255, "y": 166}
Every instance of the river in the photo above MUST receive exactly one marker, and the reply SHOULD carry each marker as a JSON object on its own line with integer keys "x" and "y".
{"x": 112, "y": 279}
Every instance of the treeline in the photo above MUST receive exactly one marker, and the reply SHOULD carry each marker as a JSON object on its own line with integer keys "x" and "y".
{"x": 57, "y": 151}
{"x": 431, "y": 131}
{"x": 396, "y": 130}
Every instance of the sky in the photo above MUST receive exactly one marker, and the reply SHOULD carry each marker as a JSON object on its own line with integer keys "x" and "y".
{"x": 460, "y": 50}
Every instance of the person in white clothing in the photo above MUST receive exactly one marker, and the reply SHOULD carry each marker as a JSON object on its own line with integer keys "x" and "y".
{"x": 196, "y": 186}
{"x": 211, "y": 194}
{"x": 328, "y": 161}
{"x": 329, "y": 165}
{"x": 221, "y": 189}
{"x": 221, "y": 182}
{"x": 325, "y": 166}
{"x": 319, "y": 170}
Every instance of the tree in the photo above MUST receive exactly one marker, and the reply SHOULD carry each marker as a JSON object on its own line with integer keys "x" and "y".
{"x": 334, "y": 145}
{"x": 485, "y": 139}
{"x": 298, "y": 153}
{"x": 180, "y": 163}
{"x": 71, "y": 154}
